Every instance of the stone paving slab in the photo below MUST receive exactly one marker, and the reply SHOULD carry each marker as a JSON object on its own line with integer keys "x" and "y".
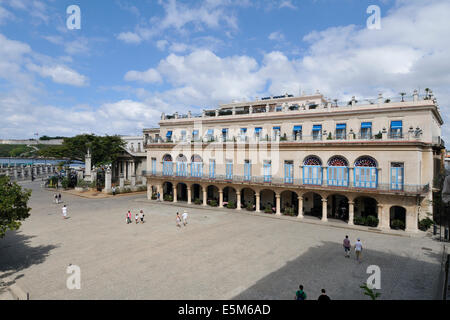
{"x": 218, "y": 255}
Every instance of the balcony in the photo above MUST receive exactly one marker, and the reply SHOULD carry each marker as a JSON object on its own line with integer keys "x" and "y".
{"x": 323, "y": 184}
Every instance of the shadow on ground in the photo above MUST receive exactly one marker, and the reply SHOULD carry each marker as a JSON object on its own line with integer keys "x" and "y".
{"x": 326, "y": 267}
{"x": 16, "y": 254}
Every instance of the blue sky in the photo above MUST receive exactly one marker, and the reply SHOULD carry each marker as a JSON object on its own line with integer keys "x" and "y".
{"x": 132, "y": 60}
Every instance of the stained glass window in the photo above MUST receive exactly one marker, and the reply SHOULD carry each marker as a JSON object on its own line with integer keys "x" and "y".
{"x": 312, "y": 161}
{"x": 337, "y": 161}
{"x": 365, "y": 162}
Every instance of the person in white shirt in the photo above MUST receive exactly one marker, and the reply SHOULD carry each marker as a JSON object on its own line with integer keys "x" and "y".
{"x": 64, "y": 212}
{"x": 358, "y": 249}
{"x": 185, "y": 216}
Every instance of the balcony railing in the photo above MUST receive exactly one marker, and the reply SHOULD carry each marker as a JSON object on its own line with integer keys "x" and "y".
{"x": 281, "y": 181}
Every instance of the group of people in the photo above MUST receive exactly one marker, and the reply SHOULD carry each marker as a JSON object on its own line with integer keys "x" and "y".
{"x": 358, "y": 248}
{"x": 57, "y": 198}
{"x": 183, "y": 218}
{"x": 300, "y": 294}
{"x": 137, "y": 217}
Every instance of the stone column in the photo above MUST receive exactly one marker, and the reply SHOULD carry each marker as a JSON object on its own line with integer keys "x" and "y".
{"x": 238, "y": 200}
{"x": 383, "y": 216}
{"x": 15, "y": 173}
{"x": 189, "y": 194}
{"x": 350, "y": 176}
{"x": 411, "y": 219}
{"x": 149, "y": 191}
{"x": 107, "y": 181}
{"x": 324, "y": 210}
{"x": 174, "y": 188}
{"x": 257, "y": 204}
{"x": 121, "y": 181}
{"x": 133, "y": 180}
{"x": 22, "y": 173}
{"x": 220, "y": 198}
{"x": 300, "y": 208}
{"x": 278, "y": 204}
{"x": 351, "y": 212}
{"x": 35, "y": 171}
{"x": 87, "y": 165}
{"x": 144, "y": 180}
{"x": 205, "y": 196}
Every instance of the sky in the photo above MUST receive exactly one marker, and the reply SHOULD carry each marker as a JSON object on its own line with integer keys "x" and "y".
{"x": 132, "y": 60}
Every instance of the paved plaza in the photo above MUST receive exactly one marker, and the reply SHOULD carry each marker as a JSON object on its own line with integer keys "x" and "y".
{"x": 221, "y": 254}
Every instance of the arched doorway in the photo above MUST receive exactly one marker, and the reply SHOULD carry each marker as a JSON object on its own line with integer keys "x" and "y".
{"x": 366, "y": 211}
{"x": 182, "y": 192}
{"x": 229, "y": 197}
{"x": 248, "y": 199}
{"x": 337, "y": 171}
{"x": 337, "y": 207}
{"x": 167, "y": 165}
{"x": 366, "y": 172}
{"x": 167, "y": 191}
{"x": 312, "y": 204}
{"x": 196, "y": 193}
{"x": 267, "y": 201}
{"x": 289, "y": 203}
{"x": 312, "y": 170}
{"x": 397, "y": 218}
{"x": 212, "y": 193}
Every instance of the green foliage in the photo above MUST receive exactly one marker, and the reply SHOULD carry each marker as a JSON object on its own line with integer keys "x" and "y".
{"x": 168, "y": 197}
{"x": 213, "y": 203}
{"x": 82, "y": 183}
{"x": 330, "y": 137}
{"x": 379, "y": 135}
{"x": 289, "y": 211}
{"x": 154, "y": 196}
{"x": 249, "y": 206}
{"x": 196, "y": 201}
{"x": 372, "y": 221}
{"x": 46, "y": 138}
{"x": 359, "y": 221}
{"x": 397, "y": 224}
{"x": 13, "y": 205}
{"x": 104, "y": 150}
{"x": 231, "y": 205}
{"x": 425, "y": 224}
{"x": 370, "y": 292}
{"x": 268, "y": 209}
{"x": 65, "y": 182}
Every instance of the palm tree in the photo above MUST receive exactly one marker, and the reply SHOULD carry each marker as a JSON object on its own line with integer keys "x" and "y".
{"x": 402, "y": 94}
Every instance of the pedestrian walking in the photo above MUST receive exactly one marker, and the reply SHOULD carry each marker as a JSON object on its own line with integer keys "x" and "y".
{"x": 184, "y": 216}
{"x": 56, "y": 198}
{"x": 300, "y": 294}
{"x": 128, "y": 217}
{"x": 136, "y": 217}
{"x": 113, "y": 189}
{"x": 59, "y": 198}
{"x": 141, "y": 215}
{"x": 323, "y": 297}
{"x": 158, "y": 196}
{"x": 64, "y": 212}
{"x": 347, "y": 247}
{"x": 358, "y": 249}
{"x": 178, "y": 220}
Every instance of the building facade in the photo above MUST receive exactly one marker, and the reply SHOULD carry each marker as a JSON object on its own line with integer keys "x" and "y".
{"x": 132, "y": 162}
{"x": 303, "y": 156}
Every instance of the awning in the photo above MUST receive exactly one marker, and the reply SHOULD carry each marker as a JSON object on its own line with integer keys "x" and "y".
{"x": 396, "y": 124}
{"x": 317, "y": 127}
{"x": 210, "y": 132}
{"x": 258, "y": 130}
{"x": 169, "y": 134}
{"x": 276, "y": 128}
{"x": 365, "y": 125}
{"x": 244, "y": 130}
{"x": 195, "y": 132}
{"x": 224, "y": 130}
{"x": 341, "y": 126}
{"x": 297, "y": 128}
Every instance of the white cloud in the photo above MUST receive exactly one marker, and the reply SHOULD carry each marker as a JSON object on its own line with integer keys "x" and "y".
{"x": 129, "y": 37}
{"x": 5, "y": 15}
{"x": 287, "y": 4}
{"x": 276, "y": 36}
{"x": 162, "y": 44}
{"x": 149, "y": 76}
{"x": 60, "y": 74}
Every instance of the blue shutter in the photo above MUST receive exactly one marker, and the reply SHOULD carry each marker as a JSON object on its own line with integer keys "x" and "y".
{"x": 267, "y": 172}
{"x": 396, "y": 124}
{"x": 288, "y": 173}
{"x": 365, "y": 125}
{"x": 341, "y": 126}
{"x": 397, "y": 178}
{"x": 212, "y": 169}
{"x": 317, "y": 127}
{"x": 153, "y": 166}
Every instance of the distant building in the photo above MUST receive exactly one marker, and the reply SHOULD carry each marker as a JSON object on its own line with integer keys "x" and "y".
{"x": 133, "y": 160}
{"x": 303, "y": 155}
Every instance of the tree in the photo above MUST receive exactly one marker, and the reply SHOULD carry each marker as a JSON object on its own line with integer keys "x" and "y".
{"x": 104, "y": 150}
{"x": 370, "y": 292}
{"x": 13, "y": 205}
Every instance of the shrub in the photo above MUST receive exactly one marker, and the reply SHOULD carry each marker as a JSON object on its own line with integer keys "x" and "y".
{"x": 397, "y": 224}
{"x": 371, "y": 221}
{"x": 65, "y": 182}
{"x": 249, "y": 206}
{"x": 154, "y": 196}
{"x": 213, "y": 203}
{"x": 268, "y": 209}
{"x": 425, "y": 224}
{"x": 289, "y": 211}
{"x": 231, "y": 205}
{"x": 126, "y": 190}
{"x": 379, "y": 135}
{"x": 168, "y": 197}
{"x": 142, "y": 188}
{"x": 82, "y": 183}
{"x": 359, "y": 221}
{"x": 197, "y": 201}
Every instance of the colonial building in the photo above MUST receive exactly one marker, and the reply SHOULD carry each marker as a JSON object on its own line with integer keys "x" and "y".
{"x": 302, "y": 156}
{"x": 132, "y": 162}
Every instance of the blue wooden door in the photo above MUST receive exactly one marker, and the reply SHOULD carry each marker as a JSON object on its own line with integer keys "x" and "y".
{"x": 397, "y": 178}
{"x": 267, "y": 172}
{"x": 337, "y": 176}
{"x": 312, "y": 175}
{"x": 366, "y": 177}
{"x": 288, "y": 173}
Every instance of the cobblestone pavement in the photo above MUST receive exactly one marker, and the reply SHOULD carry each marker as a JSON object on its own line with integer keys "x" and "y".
{"x": 220, "y": 254}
